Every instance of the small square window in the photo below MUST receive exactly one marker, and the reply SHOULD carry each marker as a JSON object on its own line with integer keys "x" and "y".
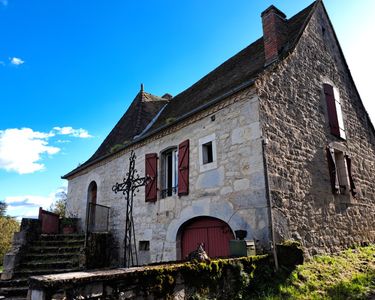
{"x": 207, "y": 153}
{"x": 144, "y": 245}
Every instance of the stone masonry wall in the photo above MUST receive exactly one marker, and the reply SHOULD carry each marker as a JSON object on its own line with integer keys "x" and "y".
{"x": 234, "y": 191}
{"x": 294, "y": 119}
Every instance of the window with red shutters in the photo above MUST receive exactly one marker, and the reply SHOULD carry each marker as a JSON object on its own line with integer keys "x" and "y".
{"x": 152, "y": 171}
{"x": 183, "y": 168}
{"x": 340, "y": 171}
{"x": 332, "y": 170}
{"x": 335, "y": 117}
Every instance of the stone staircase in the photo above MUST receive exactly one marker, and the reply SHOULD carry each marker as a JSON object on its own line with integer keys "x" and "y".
{"x": 50, "y": 254}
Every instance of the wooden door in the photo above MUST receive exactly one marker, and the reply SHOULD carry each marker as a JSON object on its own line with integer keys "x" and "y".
{"x": 213, "y": 233}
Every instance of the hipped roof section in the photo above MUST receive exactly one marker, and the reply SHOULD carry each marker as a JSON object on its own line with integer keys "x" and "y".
{"x": 139, "y": 114}
{"x": 143, "y": 112}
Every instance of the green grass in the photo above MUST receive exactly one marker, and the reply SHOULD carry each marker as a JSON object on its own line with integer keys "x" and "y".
{"x": 347, "y": 275}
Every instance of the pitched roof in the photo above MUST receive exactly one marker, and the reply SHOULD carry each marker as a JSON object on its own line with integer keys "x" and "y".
{"x": 140, "y": 113}
{"x": 242, "y": 67}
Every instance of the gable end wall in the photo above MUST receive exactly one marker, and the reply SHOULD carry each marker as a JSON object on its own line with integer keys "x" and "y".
{"x": 294, "y": 120}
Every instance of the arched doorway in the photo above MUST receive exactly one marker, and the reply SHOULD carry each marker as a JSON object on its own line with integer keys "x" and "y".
{"x": 215, "y": 234}
{"x": 91, "y": 201}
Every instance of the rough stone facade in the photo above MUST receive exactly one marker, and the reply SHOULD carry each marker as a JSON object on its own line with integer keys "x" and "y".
{"x": 285, "y": 112}
{"x": 294, "y": 120}
{"x": 233, "y": 191}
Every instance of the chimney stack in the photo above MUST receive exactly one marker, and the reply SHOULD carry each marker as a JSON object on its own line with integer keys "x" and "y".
{"x": 274, "y": 33}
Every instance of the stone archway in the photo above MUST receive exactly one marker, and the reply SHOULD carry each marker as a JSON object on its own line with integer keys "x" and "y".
{"x": 214, "y": 233}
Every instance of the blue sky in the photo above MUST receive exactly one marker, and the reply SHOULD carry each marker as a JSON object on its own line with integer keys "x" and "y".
{"x": 69, "y": 69}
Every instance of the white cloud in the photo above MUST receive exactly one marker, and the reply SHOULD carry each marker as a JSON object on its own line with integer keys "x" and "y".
{"x": 27, "y": 206}
{"x": 63, "y": 141}
{"x": 70, "y": 131}
{"x": 30, "y": 200}
{"x": 21, "y": 149}
{"x": 4, "y": 2}
{"x": 16, "y": 61}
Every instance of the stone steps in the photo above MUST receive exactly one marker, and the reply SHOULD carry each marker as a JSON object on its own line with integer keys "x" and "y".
{"x": 19, "y": 292}
{"x": 53, "y": 264}
{"x": 19, "y": 287}
{"x": 29, "y": 272}
{"x": 14, "y": 289}
{"x": 13, "y": 282}
{"x": 15, "y": 292}
{"x": 57, "y": 243}
{"x": 59, "y": 237}
{"x": 53, "y": 249}
{"x": 51, "y": 254}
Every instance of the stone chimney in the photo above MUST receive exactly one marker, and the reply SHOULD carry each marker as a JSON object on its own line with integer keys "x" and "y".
{"x": 274, "y": 33}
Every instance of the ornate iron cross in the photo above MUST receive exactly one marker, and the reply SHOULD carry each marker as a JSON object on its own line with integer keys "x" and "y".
{"x": 129, "y": 187}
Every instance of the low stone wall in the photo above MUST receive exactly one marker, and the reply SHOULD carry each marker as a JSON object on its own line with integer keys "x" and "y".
{"x": 217, "y": 279}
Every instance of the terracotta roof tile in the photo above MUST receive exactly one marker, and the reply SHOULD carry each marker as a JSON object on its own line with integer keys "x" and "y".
{"x": 139, "y": 114}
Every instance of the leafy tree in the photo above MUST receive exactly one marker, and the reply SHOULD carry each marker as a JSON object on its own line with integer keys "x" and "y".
{"x": 8, "y": 227}
{"x": 59, "y": 206}
{"x": 3, "y": 208}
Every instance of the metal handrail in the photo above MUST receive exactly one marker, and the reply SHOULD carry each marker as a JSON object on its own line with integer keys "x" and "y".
{"x": 100, "y": 205}
{"x": 92, "y": 224}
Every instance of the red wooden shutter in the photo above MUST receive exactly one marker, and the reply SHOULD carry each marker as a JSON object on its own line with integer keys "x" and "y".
{"x": 152, "y": 171}
{"x": 349, "y": 166}
{"x": 332, "y": 170}
{"x": 331, "y": 107}
{"x": 183, "y": 168}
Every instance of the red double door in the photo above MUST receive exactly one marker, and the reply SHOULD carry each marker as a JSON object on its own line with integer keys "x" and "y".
{"x": 213, "y": 233}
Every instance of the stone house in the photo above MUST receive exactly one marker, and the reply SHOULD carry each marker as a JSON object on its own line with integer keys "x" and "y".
{"x": 275, "y": 141}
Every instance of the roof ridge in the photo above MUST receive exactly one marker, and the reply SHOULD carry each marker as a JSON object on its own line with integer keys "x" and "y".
{"x": 139, "y": 115}
{"x": 311, "y": 8}
{"x": 148, "y": 97}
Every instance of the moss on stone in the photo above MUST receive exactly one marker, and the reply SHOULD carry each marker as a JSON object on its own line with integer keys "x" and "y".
{"x": 170, "y": 120}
